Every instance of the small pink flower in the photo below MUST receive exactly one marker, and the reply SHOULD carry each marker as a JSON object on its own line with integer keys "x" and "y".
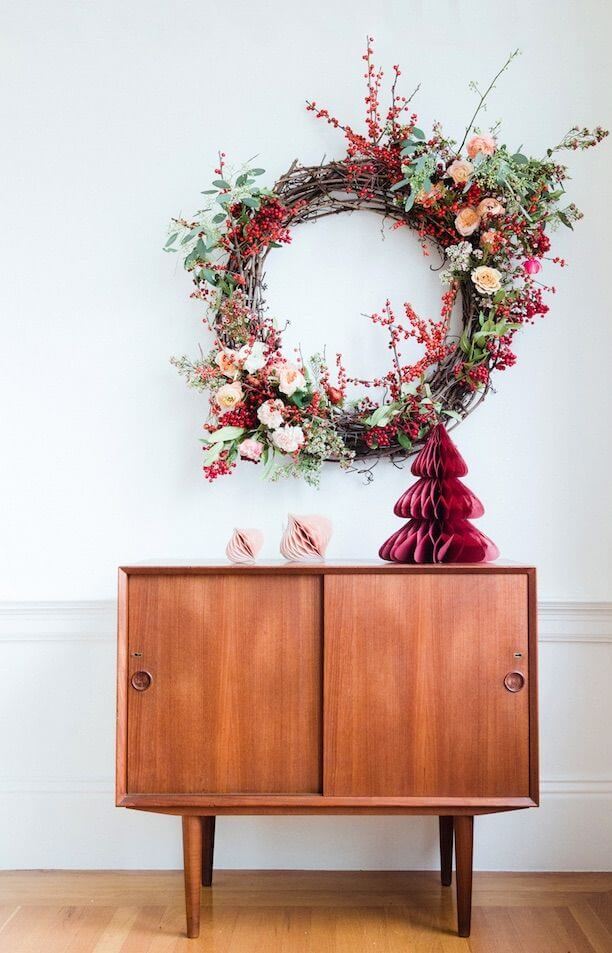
{"x": 250, "y": 449}
{"x": 485, "y": 144}
{"x": 532, "y": 266}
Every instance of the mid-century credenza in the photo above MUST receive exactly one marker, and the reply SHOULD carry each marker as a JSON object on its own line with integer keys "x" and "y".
{"x": 327, "y": 688}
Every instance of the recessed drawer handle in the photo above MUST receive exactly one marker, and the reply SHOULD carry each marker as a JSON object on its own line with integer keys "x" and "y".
{"x": 141, "y": 681}
{"x": 514, "y": 681}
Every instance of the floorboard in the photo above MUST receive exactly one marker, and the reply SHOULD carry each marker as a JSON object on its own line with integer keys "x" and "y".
{"x": 302, "y": 912}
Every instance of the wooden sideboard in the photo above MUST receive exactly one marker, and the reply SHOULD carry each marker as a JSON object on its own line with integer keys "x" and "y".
{"x": 327, "y": 688}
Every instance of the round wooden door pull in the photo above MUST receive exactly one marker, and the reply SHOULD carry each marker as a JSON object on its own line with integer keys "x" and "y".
{"x": 141, "y": 681}
{"x": 514, "y": 681}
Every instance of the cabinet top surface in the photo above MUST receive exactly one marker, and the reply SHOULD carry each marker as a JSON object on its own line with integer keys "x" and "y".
{"x": 318, "y": 567}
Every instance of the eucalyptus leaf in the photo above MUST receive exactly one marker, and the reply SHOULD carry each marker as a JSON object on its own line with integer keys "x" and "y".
{"x": 221, "y": 184}
{"x": 226, "y": 433}
{"x": 213, "y": 453}
{"x": 399, "y": 185}
{"x": 418, "y": 133}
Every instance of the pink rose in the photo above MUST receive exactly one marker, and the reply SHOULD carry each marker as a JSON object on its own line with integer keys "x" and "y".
{"x": 467, "y": 221}
{"x": 288, "y": 439}
{"x": 271, "y": 413}
{"x": 532, "y": 266}
{"x": 485, "y": 144}
{"x": 229, "y": 396}
{"x": 489, "y": 206}
{"x": 427, "y": 199}
{"x": 460, "y": 171}
{"x": 488, "y": 238}
{"x": 250, "y": 449}
{"x": 290, "y": 379}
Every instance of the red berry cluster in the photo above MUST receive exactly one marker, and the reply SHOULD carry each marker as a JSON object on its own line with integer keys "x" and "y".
{"x": 267, "y": 226}
{"x": 221, "y": 467}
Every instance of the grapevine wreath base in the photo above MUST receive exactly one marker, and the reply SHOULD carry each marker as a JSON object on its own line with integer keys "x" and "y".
{"x": 482, "y": 206}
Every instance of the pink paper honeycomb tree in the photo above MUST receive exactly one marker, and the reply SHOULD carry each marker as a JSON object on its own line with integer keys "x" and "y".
{"x": 439, "y": 508}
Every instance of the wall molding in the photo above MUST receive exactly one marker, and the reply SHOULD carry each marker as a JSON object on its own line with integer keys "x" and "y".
{"x": 95, "y": 621}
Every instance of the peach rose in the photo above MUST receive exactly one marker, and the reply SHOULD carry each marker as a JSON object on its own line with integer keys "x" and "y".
{"x": 489, "y": 206}
{"x": 487, "y": 280}
{"x": 485, "y": 144}
{"x": 467, "y": 221}
{"x": 290, "y": 379}
{"x": 229, "y": 396}
{"x": 226, "y": 362}
{"x": 460, "y": 171}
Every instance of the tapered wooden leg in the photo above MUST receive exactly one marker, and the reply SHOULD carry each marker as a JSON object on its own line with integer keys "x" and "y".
{"x": 208, "y": 849}
{"x": 192, "y": 861}
{"x": 464, "y": 848}
{"x": 446, "y": 850}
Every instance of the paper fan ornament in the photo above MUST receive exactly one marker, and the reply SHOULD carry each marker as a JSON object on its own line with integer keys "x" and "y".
{"x": 439, "y": 507}
{"x": 244, "y": 545}
{"x": 305, "y": 537}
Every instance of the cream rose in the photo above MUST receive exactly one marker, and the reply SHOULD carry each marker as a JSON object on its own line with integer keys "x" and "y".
{"x": 487, "y": 280}
{"x": 485, "y": 144}
{"x": 489, "y": 206}
{"x": 288, "y": 439}
{"x": 226, "y": 362}
{"x": 250, "y": 449}
{"x": 290, "y": 379}
{"x": 460, "y": 171}
{"x": 253, "y": 356}
{"x": 229, "y": 396}
{"x": 467, "y": 221}
{"x": 271, "y": 413}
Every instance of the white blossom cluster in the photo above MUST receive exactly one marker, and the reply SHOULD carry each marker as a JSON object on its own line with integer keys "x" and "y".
{"x": 457, "y": 260}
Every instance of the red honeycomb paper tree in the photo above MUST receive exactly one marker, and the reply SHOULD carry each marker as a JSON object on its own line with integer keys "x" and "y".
{"x": 439, "y": 507}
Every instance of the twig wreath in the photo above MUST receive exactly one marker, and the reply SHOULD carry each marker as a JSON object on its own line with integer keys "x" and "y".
{"x": 485, "y": 211}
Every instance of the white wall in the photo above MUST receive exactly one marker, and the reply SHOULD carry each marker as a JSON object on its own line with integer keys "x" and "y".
{"x": 112, "y": 114}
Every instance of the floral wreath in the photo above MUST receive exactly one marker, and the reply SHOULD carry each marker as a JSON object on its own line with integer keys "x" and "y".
{"x": 485, "y": 211}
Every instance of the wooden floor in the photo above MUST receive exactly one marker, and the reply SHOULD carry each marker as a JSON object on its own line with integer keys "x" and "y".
{"x": 302, "y": 912}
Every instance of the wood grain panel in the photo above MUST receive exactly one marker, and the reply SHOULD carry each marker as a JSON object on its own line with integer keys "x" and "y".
{"x": 235, "y": 700}
{"x": 415, "y": 703}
